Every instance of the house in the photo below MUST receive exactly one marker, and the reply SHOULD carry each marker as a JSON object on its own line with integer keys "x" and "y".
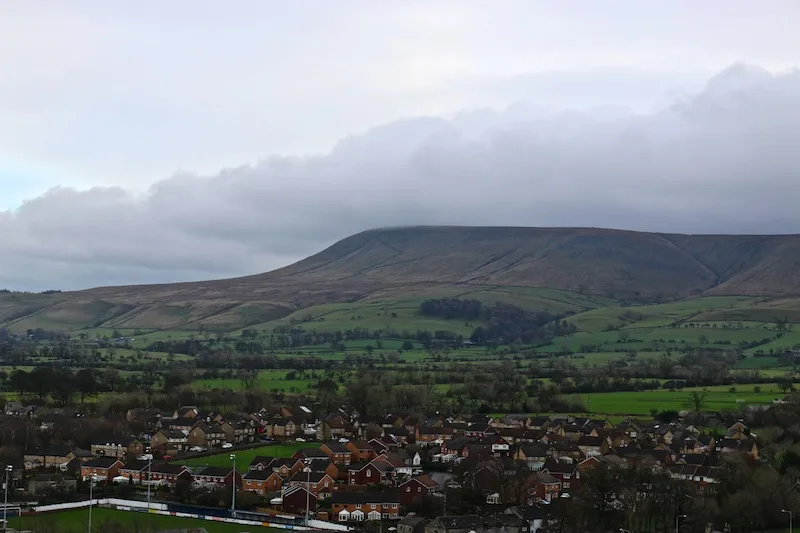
{"x": 39, "y": 483}
{"x": 309, "y": 453}
{"x": 565, "y": 471}
{"x": 745, "y": 446}
{"x": 368, "y": 473}
{"x": 282, "y": 428}
{"x": 217, "y": 475}
{"x": 296, "y": 499}
{"x": 337, "y": 452}
{"x": 455, "y": 524}
{"x": 533, "y": 454}
{"x": 360, "y": 450}
{"x": 244, "y": 431}
{"x": 262, "y": 481}
{"x": 412, "y": 524}
{"x": 101, "y": 468}
{"x": 135, "y": 471}
{"x": 432, "y": 434}
{"x": 168, "y": 441}
{"x": 531, "y": 514}
{"x": 317, "y": 482}
{"x": 47, "y": 457}
{"x": 142, "y": 414}
{"x": 416, "y": 488}
{"x": 18, "y": 410}
{"x": 284, "y": 467}
{"x": 186, "y": 411}
{"x": 545, "y": 487}
{"x": 360, "y": 506}
{"x": 169, "y": 473}
{"x": 335, "y": 427}
{"x": 590, "y": 445}
{"x": 119, "y": 447}
{"x": 209, "y": 434}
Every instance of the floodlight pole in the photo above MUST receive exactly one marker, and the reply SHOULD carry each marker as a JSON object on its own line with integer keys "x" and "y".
{"x": 233, "y": 484}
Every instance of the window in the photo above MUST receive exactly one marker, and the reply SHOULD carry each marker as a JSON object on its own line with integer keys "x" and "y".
{"x": 408, "y": 489}
{"x": 419, "y": 489}
{"x": 358, "y": 506}
{"x": 369, "y": 473}
{"x": 394, "y": 506}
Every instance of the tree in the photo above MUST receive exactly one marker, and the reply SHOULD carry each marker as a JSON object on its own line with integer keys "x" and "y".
{"x": 86, "y": 383}
{"x": 697, "y": 400}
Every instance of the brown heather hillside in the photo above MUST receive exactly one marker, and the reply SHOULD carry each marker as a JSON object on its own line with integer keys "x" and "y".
{"x": 398, "y": 262}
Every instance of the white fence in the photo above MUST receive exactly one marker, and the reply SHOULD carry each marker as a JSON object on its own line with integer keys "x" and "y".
{"x": 162, "y": 509}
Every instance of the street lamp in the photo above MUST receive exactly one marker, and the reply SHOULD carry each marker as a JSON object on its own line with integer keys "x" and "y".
{"x": 677, "y": 518}
{"x": 790, "y": 518}
{"x": 233, "y": 493}
{"x": 149, "y": 471}
{"x": 91, "y": 484}
{"x": 9, "y": 469}
{"x": 307, "y": 470}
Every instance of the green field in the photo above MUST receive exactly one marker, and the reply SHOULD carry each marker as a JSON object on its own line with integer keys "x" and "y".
{"x": 641, "y": 403}
{"x": 105, "y": 519}
{"x": 244, "y": 457}
{"x": 268, "y": 380}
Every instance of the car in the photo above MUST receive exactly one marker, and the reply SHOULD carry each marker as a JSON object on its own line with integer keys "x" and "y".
{"x": 299, "y": 439}
{"x": 197, "y": 449}
{"x": 227, "y": 445}
{"x": 267, "y": 439}
{"x": 166, "y": 457}
{"x": 146, "y": 457}
{"x": 344, "y": 440}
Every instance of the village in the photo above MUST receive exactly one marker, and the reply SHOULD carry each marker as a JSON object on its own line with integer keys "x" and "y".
{"x": 345, "y": 468}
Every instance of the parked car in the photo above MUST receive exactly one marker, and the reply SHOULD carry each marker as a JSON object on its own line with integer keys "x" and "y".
{"x": 197, "y": 449}
{"x": 227, "y": 445}
{"x": 344, "y": 440}
{"x": 146, "y": 457}
{"x": 299, "y": 439}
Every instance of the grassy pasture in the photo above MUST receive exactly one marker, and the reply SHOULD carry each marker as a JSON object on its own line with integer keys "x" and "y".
{"x": 267, "y": 380}
{"x": 244, "y": 457}
{"x": 640, "y": 403}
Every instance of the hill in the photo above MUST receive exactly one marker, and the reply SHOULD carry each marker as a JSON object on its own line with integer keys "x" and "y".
{"x": 586, "y": 267}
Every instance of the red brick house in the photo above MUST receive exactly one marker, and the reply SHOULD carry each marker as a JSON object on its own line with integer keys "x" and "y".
{"x": 429, "y": 434}
{"x": 368, "y": 473}
{"x": 545, "y": 487}
{"x": 218, "y": 475}
{"x": 295, "y": 498}
{"x": 168, "y": 473}
{"x": 416, "y": 488}
{"x": 262, "y": 481}
{"x": 135, "y": 471}
{"x": 319, "y": 483}
{"x": 361, "y": 451}
{"x": 101, "y": 468}
{"x": 337, "y": 452}
{"x": 566, "y": 472}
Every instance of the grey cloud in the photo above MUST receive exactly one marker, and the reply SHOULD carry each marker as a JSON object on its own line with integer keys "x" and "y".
{"x": 725, "y": 160}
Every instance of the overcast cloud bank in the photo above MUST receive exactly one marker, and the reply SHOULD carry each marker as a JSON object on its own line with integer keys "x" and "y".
{"x": 726, "y": 160}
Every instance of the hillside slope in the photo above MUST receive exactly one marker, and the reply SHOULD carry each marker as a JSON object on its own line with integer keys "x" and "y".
{"x": 398, "y": 262}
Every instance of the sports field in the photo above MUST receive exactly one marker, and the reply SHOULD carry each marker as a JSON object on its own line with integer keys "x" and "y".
{"x": 112, "y": 520}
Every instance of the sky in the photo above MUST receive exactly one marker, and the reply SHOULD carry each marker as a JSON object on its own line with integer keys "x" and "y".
{"x": 174, "y": 141}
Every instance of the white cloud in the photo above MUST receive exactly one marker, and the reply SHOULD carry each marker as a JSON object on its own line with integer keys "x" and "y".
{"x": 726, "y": 160}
